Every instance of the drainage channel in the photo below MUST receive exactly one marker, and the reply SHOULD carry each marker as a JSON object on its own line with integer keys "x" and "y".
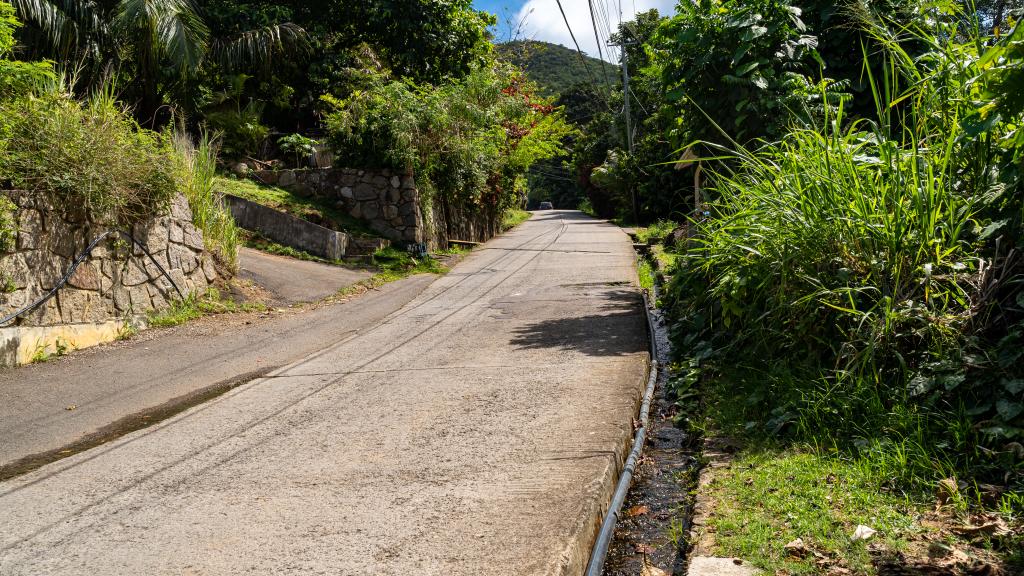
{"x": 652, "y": 527}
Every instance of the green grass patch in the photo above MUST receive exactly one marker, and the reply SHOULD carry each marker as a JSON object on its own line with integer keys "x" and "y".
{"x": 768, "y": 498}
{"x": 514, "y": 217}
{"x": 655, "y": 232}
{"x": 196, "y": 306}
{"x": 309, "y": 209}
{"x": 645, "y": 272}
{"x": 393, "y": 265}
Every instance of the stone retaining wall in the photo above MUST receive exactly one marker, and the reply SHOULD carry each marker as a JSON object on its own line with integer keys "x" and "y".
{"x": 390, "y": 202}
{"x": 387, "y": 200}
{"x": 115, "y": 285}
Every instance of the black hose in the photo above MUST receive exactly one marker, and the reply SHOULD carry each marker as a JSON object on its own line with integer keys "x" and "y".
{"x": 604, "y": 538}
{"x": 78, "y": 261}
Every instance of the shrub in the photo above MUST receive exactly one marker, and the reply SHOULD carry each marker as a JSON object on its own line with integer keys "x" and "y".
{"x": 17, "y": 78}
{"x": 849, "y": 293}
{"x": 89, "y": 156}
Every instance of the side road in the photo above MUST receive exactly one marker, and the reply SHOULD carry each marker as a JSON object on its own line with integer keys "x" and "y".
{"x": 478, "y": 430}
{"x": 92, "y": 395}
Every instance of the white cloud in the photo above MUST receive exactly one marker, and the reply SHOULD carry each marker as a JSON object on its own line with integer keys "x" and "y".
{"x": 543, "y": 21}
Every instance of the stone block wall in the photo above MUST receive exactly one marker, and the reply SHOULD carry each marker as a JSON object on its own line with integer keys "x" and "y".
{"x": 387, "y": 200}
{"x": 115, "y": 284}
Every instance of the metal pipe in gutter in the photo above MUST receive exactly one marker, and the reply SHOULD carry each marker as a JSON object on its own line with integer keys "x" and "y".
{"x": 604, "y": 538}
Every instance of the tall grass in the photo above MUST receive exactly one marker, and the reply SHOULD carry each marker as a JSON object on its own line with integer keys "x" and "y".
{"x": 838, "y": 286}
{"x": 198, "y": 170}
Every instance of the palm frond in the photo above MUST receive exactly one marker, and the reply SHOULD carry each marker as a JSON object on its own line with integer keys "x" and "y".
{"x": 69, "y": 26}
{"x": 259, "y": 48}
{"x": 170, "y": 28}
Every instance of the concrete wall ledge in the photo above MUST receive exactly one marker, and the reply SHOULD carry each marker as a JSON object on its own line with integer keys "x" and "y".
{"x": 287, "y": 229}
{"x": 21, "y": 345}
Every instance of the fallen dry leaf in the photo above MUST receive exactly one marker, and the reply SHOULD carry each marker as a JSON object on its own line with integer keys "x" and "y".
{"x": 984, "y": 525}
{"x": 946, "y": 555}
{"x": 863, "y": 533}
{"x": 652, "y": 570}
{"x": 637, "y": 511}
{"x": 645, "y": 549}
{"x": 796, "y": 548}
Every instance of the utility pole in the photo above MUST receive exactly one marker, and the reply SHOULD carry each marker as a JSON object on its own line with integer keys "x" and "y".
{"x": 624, "y": 59}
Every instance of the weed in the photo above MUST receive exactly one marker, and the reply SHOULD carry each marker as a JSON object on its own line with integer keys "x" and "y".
{"x": 393, "y": 265}
{"x": 127, "y": 331}
{"x": 197, "y": 164}
{"x": 8, "y": 225}
{"x": 87, "y": 156}
{"x": 654, "y": 233}
{"x": 195, "y": 306}
{"x": 42, "y": 352}
{"x": 258, "y": 242}
{"x": 513, "y": 217}
{"x": 677, "y": 533}
{"x": 645, "y": 272}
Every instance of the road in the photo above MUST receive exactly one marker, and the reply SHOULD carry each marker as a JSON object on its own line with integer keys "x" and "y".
{"x": 304, "y": 282}
{"x": 119, "y": 386}
{"x": 477, "y": 430}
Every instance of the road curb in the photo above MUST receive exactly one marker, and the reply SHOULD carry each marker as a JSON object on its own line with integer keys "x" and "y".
{"x": 577, "y": 555}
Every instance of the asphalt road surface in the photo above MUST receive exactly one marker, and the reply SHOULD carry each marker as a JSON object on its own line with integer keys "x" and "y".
{"x": 477, "y": 430}
{"x": 292, "y": 281}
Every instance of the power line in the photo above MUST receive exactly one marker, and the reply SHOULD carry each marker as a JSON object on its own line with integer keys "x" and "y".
{"x": 573, "y": 36}
{"x": 597, "y": 38}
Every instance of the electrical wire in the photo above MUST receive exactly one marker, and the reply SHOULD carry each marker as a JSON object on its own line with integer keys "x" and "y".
{"x": 573, "y": 36}
{"x": 597, "y": 38}
{"x": 74, "y": 266}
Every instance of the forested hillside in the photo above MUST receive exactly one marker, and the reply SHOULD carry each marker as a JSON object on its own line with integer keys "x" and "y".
{"x": 555, "y": 68}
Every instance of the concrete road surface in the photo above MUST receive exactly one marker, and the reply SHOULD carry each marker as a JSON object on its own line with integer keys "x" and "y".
{"x": 475, "y": 431}
{"x": 113, "y": 387}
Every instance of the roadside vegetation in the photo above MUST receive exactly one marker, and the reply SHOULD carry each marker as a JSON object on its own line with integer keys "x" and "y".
{"x": 196, "y": 306}
{"x": 514, "y": 217}
{"x": 392, "y": 265}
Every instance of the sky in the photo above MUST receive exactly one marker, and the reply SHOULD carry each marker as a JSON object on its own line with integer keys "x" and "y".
{"x": 542, "y": 20}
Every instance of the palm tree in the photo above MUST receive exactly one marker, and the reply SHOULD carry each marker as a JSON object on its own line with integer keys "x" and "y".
{"x": 148, "y": 38}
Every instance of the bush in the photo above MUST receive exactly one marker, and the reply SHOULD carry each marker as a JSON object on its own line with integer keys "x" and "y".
{"x": 17, "y": 78}
{"x": 848, "y": 292}
{"x": 89, "y": 156}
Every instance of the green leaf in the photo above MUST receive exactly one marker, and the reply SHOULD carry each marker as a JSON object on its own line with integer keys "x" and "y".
{"x": 952, "y": 381}
{"x": 992, "y": 228}
{"x": 754, "y": 32}
{"x": 1014, "y": 386}
{"x": 919, "y": 385}
{"x": 746, "y": 68}
{"x": 1009, "y": 410}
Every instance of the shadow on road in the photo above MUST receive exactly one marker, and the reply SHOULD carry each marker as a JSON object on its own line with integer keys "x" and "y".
{"x": 618, "y": 330}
